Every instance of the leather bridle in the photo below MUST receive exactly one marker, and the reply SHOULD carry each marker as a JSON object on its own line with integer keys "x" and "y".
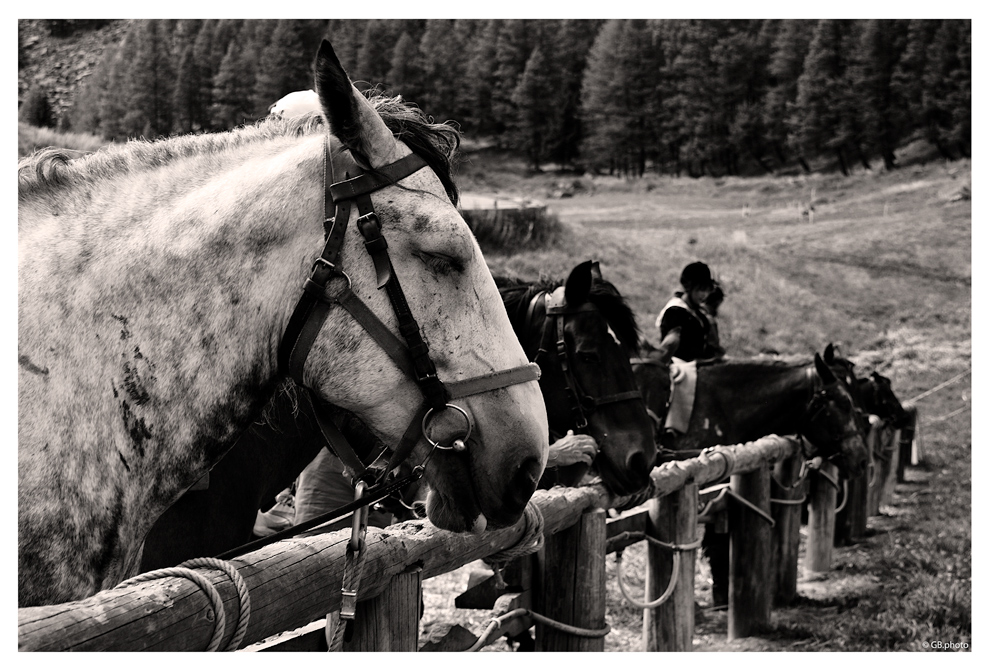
{"x": 330, "y": 286}
{"x": 819, "y": 404}
{"x": 581, "y": 404}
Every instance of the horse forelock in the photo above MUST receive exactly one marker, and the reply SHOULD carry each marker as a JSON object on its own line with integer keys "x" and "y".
{"x": 51, "y": 170}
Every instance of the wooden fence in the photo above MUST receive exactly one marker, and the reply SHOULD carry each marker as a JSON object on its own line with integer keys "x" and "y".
{"x": 297, "y": 581}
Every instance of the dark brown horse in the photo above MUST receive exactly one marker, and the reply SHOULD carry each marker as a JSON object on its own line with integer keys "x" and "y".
{"x": 582, "y": 334}
{"x": 742, "y": 400}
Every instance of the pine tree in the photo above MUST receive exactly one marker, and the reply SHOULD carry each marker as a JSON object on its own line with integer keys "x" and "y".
{"x": 907, "y": 78}
{"x": 149, "y": 82}
{"x": 787, "y": 60}
{"x": 945, "y": 98}
{"x": 479, "y": 81}
{"x": 283, "y": 65}
{"x": 373, "y": 59}
{"x": 513, "y": 48}
{"x": 113, "y": 103}
{"x": 818, "y": 119}
{"x": 960, "y": 100}
{"x": 405, "y": 76}
{"x": 568, "y": 54}
{"x": 874, "y": 58}
{"x": 534, "y": 110}
{"x": 442, "y": 66}
{"x": 202, "y": 58}
{"x": 231, "y": 104}
{"x": 186, "y": 95}
{"x": 622, "y": 96}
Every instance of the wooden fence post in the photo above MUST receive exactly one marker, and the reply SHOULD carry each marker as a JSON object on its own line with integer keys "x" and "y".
{"x": 573, "y": 584}
{"x": 389, "y": 621}
{"x": 905, "y": 443}
{"x": 785, "y": 534}
{"x": 670, "y": 626}
{"x": 750, "y": 556}
{"x": 822, "y": 518}
{"x": 880, "y": 458}
{"x": 887, "y": 493}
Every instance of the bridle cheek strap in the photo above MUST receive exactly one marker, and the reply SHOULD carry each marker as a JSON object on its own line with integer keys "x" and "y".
{"x": 411, "y": 355}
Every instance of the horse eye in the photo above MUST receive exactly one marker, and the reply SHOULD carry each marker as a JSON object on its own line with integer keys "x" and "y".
{"x": 440, "y": 264}
{"x": 588, "y": 356}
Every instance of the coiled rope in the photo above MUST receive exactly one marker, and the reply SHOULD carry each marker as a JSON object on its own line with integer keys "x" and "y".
{"x": 187, "y": 570}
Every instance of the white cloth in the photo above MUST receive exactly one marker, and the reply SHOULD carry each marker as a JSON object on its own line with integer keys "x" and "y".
{"x": 683, "y": 395}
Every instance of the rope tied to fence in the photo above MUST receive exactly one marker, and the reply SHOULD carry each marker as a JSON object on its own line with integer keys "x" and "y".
{"x": 187, "y": 570}
{"x": 728, "y": 459}
{"x": 495, "y": 624}
{"x": 836, "y": 484}
{"x": 530, "y": 542}
{"x": 640, "y": 497}
{"x": 675, "y": 549}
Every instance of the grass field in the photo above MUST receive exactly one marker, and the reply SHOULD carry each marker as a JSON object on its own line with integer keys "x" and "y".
{"x": 882, "y": 267}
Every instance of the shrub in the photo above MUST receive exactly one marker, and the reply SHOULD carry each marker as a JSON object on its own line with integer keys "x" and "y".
{"x": 36, "y": 110}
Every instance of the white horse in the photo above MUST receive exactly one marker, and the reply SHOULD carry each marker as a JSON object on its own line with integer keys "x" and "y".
{"x": 155, "y": 285}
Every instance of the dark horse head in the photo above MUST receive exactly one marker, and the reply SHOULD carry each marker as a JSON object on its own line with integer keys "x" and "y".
{"x": 872, "y": 394}
{"x": 834, "y": 424}
{"x": 582, "y": 334}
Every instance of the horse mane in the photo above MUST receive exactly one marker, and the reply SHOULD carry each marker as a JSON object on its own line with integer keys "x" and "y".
{"x": 53, "y": 168}
{"x": 604, "y": 295}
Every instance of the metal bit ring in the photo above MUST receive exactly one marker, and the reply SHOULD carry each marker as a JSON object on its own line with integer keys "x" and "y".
{"x": 458, "y": 444}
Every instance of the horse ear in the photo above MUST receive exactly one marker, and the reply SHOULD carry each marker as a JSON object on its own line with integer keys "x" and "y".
{"x": 351, "y": 117}
{"x": 578, "y": 284}
{"x": 828, "y": 354}
{"x": 594, "y": 270}
{"x": 825, "y": 373}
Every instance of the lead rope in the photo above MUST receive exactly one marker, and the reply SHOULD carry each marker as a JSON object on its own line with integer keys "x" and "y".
{"x": 676, "y": 550}
{"x": 187, "y": 570}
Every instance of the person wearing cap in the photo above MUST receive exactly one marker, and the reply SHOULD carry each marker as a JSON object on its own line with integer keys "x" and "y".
{"x": 684, "y": 322}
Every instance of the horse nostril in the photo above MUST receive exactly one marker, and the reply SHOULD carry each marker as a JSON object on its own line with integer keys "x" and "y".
{"x": 637, "y": 464}
{"x": 522, "y": 485}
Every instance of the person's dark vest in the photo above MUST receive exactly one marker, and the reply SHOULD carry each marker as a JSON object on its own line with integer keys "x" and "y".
{"x": 694, "y": 338}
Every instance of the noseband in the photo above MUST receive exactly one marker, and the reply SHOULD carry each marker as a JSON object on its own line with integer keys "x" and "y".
{"x": 409, "y": 352}
{"x": 556, "y": 309}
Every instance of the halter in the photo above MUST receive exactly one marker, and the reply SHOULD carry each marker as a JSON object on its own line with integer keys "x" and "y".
{"x": 410, "y": 352}
{"x": 556, "y": 310}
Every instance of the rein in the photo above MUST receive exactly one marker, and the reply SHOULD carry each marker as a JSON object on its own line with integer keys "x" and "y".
{"x": 556, "y": 309}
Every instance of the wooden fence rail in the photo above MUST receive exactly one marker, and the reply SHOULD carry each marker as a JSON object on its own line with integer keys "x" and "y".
{"x": 298, "y": 580}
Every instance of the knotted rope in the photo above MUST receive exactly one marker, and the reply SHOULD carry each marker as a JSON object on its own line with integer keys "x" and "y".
{"x": 530, "y": 542}
{"x": 495, "y": 624}
{"x": 187, "y": 570}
